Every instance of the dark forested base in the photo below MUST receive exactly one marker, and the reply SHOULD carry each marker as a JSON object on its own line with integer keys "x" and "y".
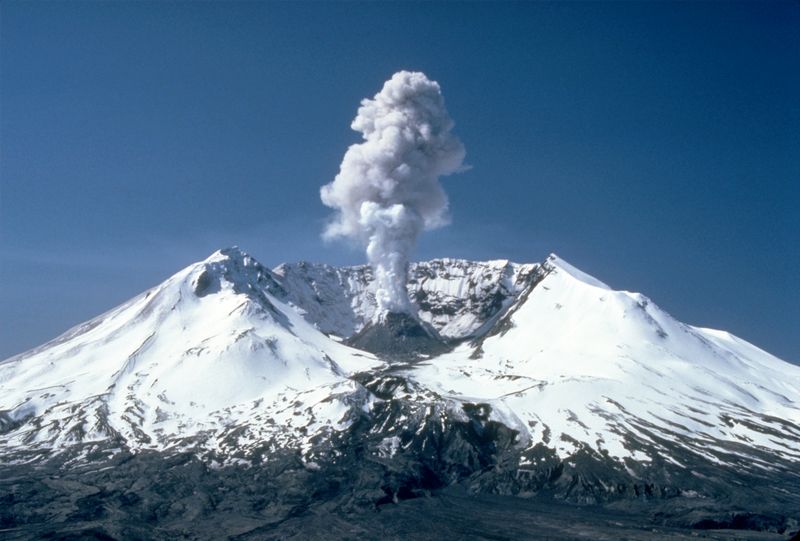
{"x": 449, "y": 474}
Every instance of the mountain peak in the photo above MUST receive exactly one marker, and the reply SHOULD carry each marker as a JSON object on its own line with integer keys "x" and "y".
{"x": 234, "y": 266}
{"x": 555, "y": 262}
{"x": 231, "y": 253}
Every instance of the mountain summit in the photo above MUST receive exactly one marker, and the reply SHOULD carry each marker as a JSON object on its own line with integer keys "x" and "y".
{"x": 533, "y": 380}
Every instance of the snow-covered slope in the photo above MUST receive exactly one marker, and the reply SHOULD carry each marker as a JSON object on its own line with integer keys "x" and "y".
{"x": 576, "y": 365}
{"x": 211, "y": 350}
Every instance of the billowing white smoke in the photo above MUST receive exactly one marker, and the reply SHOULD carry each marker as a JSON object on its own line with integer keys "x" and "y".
{"x": 387, "y": 190}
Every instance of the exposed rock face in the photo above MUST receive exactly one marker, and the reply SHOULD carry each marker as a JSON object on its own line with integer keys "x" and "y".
{"x": 397, "y": 336}
{"x": 459, "y": 299}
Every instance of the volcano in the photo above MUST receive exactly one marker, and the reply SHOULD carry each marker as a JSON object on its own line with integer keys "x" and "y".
{"x": 237, "y": 401}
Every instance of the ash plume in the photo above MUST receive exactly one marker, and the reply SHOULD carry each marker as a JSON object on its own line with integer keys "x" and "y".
{"x": 387, "y": 190}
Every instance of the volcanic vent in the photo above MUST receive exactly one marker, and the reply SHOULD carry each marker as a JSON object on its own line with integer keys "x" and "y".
{"x": 399, "y": 336}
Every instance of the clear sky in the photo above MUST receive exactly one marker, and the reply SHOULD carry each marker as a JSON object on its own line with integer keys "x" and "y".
{"x": 655, "y": 146}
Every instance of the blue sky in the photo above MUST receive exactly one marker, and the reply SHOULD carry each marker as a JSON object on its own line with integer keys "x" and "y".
{"x": 655, "y": 146}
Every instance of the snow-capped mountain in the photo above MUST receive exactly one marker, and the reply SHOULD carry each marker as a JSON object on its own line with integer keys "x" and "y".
{"x": 576, "y": 364}
{"x": 560, "y": 357}
{"x": 211, "y": 350}
{"x": 543, "y": 380}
